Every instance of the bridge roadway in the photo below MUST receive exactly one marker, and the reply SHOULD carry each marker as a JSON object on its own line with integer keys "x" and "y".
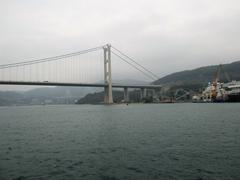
{"x": 147, "y": 86}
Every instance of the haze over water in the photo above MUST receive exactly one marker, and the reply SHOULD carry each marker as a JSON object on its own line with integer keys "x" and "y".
{"x": 153, "y": 141}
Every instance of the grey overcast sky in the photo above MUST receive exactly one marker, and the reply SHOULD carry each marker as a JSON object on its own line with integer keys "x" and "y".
{"x": 164, "y": 35}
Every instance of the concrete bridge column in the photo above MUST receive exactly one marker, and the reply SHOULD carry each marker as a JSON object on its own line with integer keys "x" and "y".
{"x": 126, "y": 95}
{"x": 143, "y": 93}
{"x": 153, "y": 93}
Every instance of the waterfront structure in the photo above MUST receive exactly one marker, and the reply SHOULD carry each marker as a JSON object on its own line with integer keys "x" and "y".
{"x": 45, "y": 72}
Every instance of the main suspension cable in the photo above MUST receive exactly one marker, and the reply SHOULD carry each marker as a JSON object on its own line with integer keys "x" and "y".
{"x": 54, "y": 58}
{"x": 153, "y": 74}
{"x": 133, "y": 66}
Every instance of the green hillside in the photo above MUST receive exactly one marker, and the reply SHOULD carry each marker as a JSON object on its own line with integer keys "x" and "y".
{"x": 192, "y": 81}
{"x": 201, "y": 76}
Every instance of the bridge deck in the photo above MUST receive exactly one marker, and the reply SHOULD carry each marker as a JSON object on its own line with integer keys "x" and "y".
{"x": 79, "y": 84}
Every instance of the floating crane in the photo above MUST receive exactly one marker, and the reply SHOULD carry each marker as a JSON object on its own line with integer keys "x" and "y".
{"x": 216, "y": 86}
{"x": 215, "y": 92}
{"x": 215, "y": 83}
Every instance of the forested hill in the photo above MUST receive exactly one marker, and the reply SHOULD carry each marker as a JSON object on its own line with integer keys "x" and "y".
{"x": 201, "y": 76}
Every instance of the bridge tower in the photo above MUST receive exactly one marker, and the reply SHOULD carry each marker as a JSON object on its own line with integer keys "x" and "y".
{"x": 108, "y": 99}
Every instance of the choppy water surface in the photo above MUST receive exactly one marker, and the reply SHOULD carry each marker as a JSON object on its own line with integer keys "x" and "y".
{"x": 152, "y": 141}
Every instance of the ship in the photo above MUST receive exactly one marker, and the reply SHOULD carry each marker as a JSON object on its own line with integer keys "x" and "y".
{"x": 221, "y": 92}
{"x": 233, "y": 91}
{"x": 217, "y": 91}
{"x": 214, "y": 93}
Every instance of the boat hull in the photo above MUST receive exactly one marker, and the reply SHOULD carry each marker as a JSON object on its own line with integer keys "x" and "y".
{"x": 233, "y": 97}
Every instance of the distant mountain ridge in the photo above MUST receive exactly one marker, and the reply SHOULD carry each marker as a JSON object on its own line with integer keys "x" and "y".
{"x": 202, "y": 75}
{"x": 51, "y": 95}
{"x": 190, "y": 80}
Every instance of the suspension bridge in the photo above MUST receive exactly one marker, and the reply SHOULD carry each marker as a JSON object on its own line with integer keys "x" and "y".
{"x": 87, "y": 68}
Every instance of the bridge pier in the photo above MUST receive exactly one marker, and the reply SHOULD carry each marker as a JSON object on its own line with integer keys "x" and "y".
{"x": 153, "y": 93}
{"x": 108, "y": 99}
{"x": 143, "y": 93}
{"x": 126, "y": 95}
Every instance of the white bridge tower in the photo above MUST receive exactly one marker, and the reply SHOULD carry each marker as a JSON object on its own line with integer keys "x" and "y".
{"x": 108, "y": 98}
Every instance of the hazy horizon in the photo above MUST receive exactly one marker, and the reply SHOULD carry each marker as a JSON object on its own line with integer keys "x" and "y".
{"x": 164, "y": 36}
